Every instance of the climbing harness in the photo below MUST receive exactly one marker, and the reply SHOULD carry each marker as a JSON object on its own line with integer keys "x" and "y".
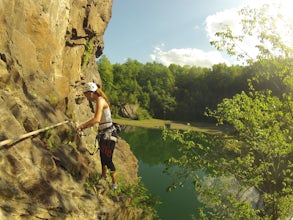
{"x": 117, "y": 127}
{"x": 106, "y": 134}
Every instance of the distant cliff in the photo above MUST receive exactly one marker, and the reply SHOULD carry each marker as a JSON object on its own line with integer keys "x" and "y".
{"x": 47, "y": 48}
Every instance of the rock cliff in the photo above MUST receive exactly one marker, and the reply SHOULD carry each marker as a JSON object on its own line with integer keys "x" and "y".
{"x": 47, "y": 48}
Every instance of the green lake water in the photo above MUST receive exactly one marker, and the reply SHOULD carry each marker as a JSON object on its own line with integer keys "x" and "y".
{"x": 151, "y": 152}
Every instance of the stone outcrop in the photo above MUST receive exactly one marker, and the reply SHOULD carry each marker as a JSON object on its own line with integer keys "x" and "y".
{"x": 47, "y": 49}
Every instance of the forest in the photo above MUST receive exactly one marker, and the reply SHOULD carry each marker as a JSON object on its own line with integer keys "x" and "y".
{"x": 175, "y": 92}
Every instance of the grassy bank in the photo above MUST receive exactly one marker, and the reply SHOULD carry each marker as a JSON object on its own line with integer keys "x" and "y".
{"x": 159, "y": 124}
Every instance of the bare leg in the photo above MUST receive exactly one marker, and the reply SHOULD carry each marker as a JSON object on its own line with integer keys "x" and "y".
{"x": 113, "y": 175}
{"x": 104, "y": 171}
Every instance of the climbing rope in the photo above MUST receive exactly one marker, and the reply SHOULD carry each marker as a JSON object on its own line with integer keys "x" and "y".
{"x": 24, "y": 136}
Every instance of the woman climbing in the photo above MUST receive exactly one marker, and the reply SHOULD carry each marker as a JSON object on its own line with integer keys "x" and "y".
{"x": 107, "y": 135}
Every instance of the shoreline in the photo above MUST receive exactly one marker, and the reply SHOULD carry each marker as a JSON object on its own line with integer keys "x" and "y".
{"x": 207, "y": 128}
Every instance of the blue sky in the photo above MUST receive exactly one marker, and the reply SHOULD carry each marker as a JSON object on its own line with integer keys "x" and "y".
{"x": 167, "y": 31}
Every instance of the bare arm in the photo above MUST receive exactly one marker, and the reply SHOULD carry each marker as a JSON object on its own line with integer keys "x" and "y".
{"x": 97, "y": 117}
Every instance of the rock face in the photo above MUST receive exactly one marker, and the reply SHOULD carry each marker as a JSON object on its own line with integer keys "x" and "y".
{"x": 47, "y": 48}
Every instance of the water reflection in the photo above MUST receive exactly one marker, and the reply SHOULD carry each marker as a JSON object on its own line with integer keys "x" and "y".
{"x": 148, "y": 146}
{"x": 152, "y": 152}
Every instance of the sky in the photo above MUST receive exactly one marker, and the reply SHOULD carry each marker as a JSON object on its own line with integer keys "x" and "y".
{"x": 172, "y": 31}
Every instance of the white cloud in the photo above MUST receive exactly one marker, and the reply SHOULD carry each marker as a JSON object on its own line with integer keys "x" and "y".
{"x": 230, "y": 18}
{"x": 219, "y": 21}
{"x": 187, "y": 56}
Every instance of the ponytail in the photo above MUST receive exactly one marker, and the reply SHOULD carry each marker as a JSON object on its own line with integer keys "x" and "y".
{"x": 101, "y": 93}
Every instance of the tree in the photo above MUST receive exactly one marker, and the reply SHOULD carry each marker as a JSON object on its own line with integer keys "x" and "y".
{"x": 197, "y": 88}
{"x": 158, "y": 81}
{"x": 128, "y": 91}
{"x": 190, "y": 93}
{"x": 257, "y": 155}
{"x": 106, "y": 72}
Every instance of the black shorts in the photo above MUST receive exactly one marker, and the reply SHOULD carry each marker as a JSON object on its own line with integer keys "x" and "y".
{"x": 106, "y": 152}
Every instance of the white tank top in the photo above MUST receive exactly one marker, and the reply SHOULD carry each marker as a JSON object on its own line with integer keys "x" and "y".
{"x": 106, "y": 120}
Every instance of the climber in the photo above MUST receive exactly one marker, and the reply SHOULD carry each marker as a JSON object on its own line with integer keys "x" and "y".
{"x": 107, "y": 135}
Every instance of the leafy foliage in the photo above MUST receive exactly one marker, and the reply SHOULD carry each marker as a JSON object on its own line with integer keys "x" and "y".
{"x": 134, "y": 195}
{"x": 106, "y": 70}
{"x": 257, "y": 156}
{"x": 179, "y": 93}
{"x": 140, "y": 198}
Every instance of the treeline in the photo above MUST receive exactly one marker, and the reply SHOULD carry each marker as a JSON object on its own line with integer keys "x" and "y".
{"x": 174, "y": 92}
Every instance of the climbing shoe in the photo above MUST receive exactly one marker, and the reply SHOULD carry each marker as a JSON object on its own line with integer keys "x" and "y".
{"x": 114, "y": 186}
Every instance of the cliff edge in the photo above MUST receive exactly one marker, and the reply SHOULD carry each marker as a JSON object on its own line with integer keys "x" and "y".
{"x": 47, "y": 49}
